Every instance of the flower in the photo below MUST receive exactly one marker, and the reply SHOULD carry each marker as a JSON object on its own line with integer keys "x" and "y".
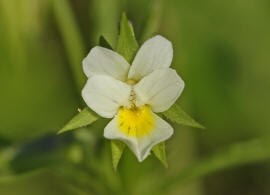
{"x": 132, "y": 94}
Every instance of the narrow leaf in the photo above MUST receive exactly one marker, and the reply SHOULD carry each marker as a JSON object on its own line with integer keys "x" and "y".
{"x": 71, "y": 36}
{"x": 13, "y": 37}
{"x": 83, "y": 118}
{"x": 127, "y": 44}
{"x": 106, "y": 17}
{"x": 117, "y": 151}
{"x": 177, "y": 115}
{"x": 159, "y": 151}
{"x": 248, "y": 152}
{"x": 104, "y": 43}
{"x": 153, "y": 19}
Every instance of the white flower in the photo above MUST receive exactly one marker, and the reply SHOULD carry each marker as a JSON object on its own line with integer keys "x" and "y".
{"x": 130, "y": 94}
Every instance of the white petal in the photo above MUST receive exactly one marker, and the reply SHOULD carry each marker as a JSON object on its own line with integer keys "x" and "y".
{"x": 155, "y": 53}
{"x": 160, "y": 89}
{"x": 140, "y": 146}
{"x": 105, "y": 61}
{"x": 104, "y": 95}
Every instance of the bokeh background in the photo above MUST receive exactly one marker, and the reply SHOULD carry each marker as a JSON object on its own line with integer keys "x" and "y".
{"x": 221, "y": 50}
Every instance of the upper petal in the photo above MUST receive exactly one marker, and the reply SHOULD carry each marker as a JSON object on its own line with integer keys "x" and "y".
{"x": 155, "y": 53}
{"x": 160, "y": 89}
{"x": 140, "y": 146}
{"x": 105, "y": 95}
{"x": 105, "y": 61}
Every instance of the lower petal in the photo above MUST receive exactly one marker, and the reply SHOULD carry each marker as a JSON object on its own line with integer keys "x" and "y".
{"x": 140, "y": 144}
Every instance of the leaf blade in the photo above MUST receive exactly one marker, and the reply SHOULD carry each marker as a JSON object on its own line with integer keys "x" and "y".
{"x": 71, "y": 36}
{"x": 83, "y": 118}
{"x": 246, "y": 152}
{"x": 178, "y": 115}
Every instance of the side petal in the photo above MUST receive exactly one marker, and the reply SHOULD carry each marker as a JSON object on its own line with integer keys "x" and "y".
{"x": 105, "y": 95}
{"x": 140, "y": 146}
{"x": 160, "y": 89}
{"x": 155, "y": 53}
{"x": 101, "y": 60}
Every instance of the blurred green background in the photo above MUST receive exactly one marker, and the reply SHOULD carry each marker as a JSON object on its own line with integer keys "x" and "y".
{"x": 222, "y": 52}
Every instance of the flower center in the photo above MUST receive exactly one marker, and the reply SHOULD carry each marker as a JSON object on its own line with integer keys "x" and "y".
{"x": 136, "y": 122}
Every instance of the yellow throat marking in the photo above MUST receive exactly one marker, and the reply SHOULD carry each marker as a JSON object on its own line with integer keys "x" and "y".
{"x": 136, "y": 122}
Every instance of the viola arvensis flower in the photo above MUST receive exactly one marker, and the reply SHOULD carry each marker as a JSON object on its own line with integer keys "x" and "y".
{"x": 132, "y": 94}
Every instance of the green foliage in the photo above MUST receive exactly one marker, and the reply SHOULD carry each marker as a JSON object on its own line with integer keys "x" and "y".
{"x": 127, "y": 44}
{"x": 71, "y": 38}
{"x": 83, "y": 118}
{"x": 221, "y": 48}
{"x": 253, "y": 151}
{"x": 86, "y": 116}
{"x": 106, "y": 17}
{"x": 159, "y": 151}
{"x": 13, "y": 36}
{"x": 152, "y": 23}
{"x": 117, "y": 151}
{"x": 104, "y": 43}
{"x": 177, "y": 115}
{"x": 38, "y": 182}
{"x": 6, "y": 155}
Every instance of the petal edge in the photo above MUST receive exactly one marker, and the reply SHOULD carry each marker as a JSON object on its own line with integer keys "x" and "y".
{"x": 160, "y": 89}
{"x": 155, "y": 53}
{"x": 104, "y": 61}
{"x": 105, "y": 95}
{"x": 142, "y": 146}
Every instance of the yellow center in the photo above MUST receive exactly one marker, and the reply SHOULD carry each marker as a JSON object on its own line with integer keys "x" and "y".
{"x": 136, "y": 122}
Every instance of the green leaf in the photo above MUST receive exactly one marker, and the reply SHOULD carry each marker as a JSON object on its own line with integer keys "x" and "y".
{"x": 71, "y": 36}
{"x": 13, "y": 36}
{"x": 104, "y": 43}
{"x": 6, "y": 156}
{"x": 106, "y": 19}
{"x": 127, "y": 45}
{"x": 253, "y": 151}
{"x": 39, "y": 182}
{"x": 117, "y": 151}
{"x": 159, "y": 151}
{"x": 83, "y": 118}
{"x": 177, "y": 115}
{"x": 152, "y": 21}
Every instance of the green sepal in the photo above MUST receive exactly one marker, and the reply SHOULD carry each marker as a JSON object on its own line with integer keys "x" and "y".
{"x": 159, "y": 151}
{"x": 127, "y": 45}
{"x": 117, "y": 148}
